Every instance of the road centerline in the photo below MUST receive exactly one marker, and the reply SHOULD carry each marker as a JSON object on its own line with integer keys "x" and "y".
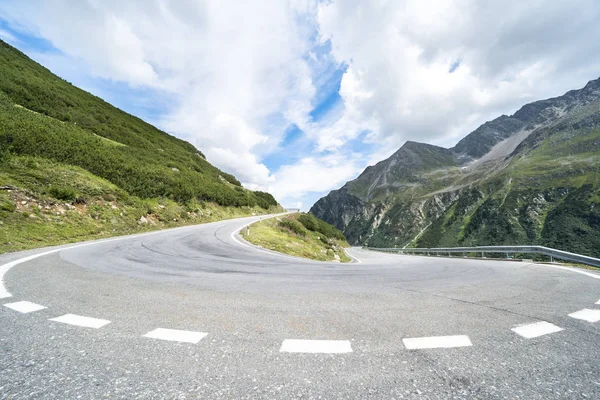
{"x": 436, "y": 342}
{"x": 536, "y": 329}
{"x": 175, "y": 335}
{"x": 78, "y": 320}
{"x": 24, "y": 307}
{"x": 587, "y": 315}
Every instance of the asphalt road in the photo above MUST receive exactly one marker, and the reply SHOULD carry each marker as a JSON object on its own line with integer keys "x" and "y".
{"x": 347, "y": 331}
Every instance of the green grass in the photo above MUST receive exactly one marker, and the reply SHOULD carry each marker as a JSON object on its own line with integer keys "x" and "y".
{"x": 278, "y": 234}
{"x": 44, "y": 116}
{"x": 561, "y": 156}
{"x": 548, "y": 194}
{"x": 73, "y": 167}
{"x": 52, "y": 203}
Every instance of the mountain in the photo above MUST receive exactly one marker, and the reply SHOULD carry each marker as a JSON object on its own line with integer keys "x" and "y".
{"x": 72, "y": 166}
{"x": 529, "y": 178}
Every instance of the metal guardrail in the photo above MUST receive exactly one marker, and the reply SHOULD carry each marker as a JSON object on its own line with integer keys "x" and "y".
{"x": 552, "y": 253}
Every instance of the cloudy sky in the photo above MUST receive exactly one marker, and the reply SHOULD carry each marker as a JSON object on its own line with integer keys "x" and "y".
{"x": 298, "y": 97}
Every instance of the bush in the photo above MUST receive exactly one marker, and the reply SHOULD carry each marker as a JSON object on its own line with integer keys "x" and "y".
{"x": 62, "y": 193}
{"x": 293, "y": 226}
{"x": 4, "y": 155}
{"x": 6, "y": 207}
{"x": 309, "y": 221}
{"x": 315, "y": 224}
{"x": 231, "y": 179}
{"x": 324, "y": 239}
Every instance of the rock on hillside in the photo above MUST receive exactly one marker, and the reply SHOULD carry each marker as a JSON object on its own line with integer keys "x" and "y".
{"x": 532, "y": 177}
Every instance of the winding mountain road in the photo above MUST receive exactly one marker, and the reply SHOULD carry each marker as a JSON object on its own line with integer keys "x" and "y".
{"x": 196, "y": 312}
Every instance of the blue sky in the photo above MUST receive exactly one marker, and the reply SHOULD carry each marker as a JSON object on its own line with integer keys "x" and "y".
{"x": 153, "y": 104}
{"x": 300, "y": 99}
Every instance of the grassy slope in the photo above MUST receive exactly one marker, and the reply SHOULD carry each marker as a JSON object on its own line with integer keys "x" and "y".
{"x": 270, "y": 234}
{"x": 44, "y": 116}
{"x": 73, "y": 167}
{"x": 547, "y": 194}
{"x": 31, "y": 215}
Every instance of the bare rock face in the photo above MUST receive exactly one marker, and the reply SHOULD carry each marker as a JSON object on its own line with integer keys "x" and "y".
{"x": 501, "y": 184}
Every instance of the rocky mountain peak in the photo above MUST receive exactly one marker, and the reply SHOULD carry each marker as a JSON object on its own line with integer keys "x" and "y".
{"x": 529, "y": 117}
{"x": 526, "y": 178}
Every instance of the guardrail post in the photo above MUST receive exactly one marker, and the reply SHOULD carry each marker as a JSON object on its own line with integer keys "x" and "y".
{"x": 551, "y": 259}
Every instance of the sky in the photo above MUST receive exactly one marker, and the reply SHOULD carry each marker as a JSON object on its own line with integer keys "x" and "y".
{"x": 297, "y": 97}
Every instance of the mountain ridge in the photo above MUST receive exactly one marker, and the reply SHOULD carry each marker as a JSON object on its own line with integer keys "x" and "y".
{"x": 429, "y": 195}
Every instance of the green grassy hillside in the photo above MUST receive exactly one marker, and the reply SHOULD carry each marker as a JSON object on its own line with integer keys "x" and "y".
{"x": 61, "y": 147}
{"x": 300, "y": 235}
{"x": 548, "y": 194}
{"x": 545, "y": 190}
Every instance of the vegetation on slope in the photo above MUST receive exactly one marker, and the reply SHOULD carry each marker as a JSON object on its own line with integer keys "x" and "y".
{"x": 42, "y": 115}
{"x": 44, "y": 203}
{"x": 73, "y": 167}
{"x": 300, "y": 235}
{"x": 545, "y": 192}
{"x": 550, "y": 195}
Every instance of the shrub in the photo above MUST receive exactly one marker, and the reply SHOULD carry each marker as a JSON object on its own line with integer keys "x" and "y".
{"x": 6, "y": 207}
{"x": 324, "y": 239}
{"x": 62, "y": 193}
{"x": 309, "y": 221}
{"x": 315, "y": 224}
{"x": 293, "y": 226}
{"x": 231, "y": 179}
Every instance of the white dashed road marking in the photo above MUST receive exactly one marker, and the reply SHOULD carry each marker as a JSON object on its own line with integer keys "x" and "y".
{"x": 24, "y": 306}
{"x": 436, "y": 342}
{"x": 598, "y": 302}
{"x": 175, "y": 335}
{"x": 587, "y": 315}
{"x": 530, "y": 331}
{"x": 78, "y": 320}
{"x": 316, "y": 346}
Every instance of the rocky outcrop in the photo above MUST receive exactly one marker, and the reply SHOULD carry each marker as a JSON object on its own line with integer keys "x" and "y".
{"x": 511, "y": 181}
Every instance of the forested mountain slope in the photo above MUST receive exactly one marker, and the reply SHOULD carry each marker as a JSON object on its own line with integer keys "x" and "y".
{"x": 529, "y": 178}
{"x": 65, "y": 152}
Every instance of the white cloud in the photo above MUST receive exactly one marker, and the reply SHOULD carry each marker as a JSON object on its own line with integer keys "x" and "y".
{"x": 105, "y": 40}
{"x": 399, "y": 55}
{"x": 313, "y": 174}
{"x": 8, "y": 37}
{"x": 238, "y": 69}
{"x": 242, "y": 72}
